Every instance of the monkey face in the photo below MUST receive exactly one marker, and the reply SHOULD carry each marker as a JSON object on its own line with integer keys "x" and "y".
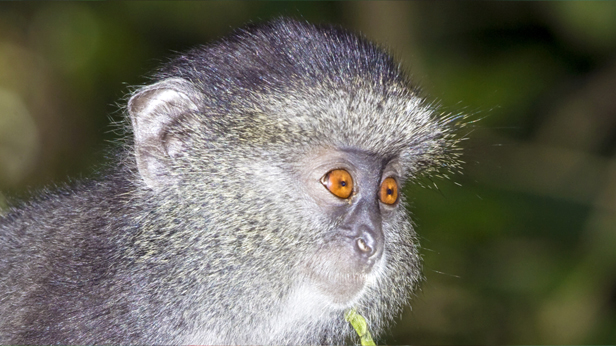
{"x": 357, "y": 193}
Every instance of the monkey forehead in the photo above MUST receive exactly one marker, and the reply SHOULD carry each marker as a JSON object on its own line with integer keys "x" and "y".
{"x": 388, "y": 123}
{"x": 356, "y": 115}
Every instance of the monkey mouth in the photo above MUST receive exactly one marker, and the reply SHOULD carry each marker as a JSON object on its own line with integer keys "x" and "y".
{"x": 338, "y": 277}
{"x": 341, "y": 287}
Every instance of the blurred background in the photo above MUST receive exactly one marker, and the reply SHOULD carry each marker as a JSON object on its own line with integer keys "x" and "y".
{"x": 523, "y": 251}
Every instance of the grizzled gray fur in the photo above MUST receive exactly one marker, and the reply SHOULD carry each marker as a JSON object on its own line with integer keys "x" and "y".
{"x": 214, "y": 225}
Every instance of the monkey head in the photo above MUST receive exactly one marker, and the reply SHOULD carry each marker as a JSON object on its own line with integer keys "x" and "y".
{"x": 287, "y": 146}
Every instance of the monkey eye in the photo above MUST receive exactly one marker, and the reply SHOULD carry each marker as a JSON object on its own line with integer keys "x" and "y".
{"x": 338, "y": 182}
{"x": 389, "y": 191}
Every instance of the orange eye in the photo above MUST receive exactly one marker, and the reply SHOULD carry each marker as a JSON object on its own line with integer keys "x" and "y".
{"x": 389, "y": 191}
{"x": 338, "y": 182}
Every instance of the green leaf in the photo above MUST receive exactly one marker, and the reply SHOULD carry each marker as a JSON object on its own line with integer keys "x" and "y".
{"x": 361, "y": 327}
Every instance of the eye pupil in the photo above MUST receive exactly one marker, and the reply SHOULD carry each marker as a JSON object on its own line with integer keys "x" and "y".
{"x": 343, "y": 183}
{"x": 390, "y": 191}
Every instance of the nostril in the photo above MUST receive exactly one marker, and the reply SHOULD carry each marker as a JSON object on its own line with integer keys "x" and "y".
{"x": 366, "y": 242}
{"x": 363, "y": 247}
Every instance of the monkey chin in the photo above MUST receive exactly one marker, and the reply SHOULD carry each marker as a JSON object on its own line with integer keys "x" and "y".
{"x": 342, "y": 290}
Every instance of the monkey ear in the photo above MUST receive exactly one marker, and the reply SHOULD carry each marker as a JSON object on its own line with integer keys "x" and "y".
{"x": 153, "y": 111}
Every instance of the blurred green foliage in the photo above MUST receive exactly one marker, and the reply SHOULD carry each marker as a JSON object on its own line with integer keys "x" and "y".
{"x": 522, "y": 252}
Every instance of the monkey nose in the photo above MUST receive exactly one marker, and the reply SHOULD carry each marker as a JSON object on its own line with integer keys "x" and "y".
{"x": 367, "y": 244}
{"x": 363, "y": 247}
